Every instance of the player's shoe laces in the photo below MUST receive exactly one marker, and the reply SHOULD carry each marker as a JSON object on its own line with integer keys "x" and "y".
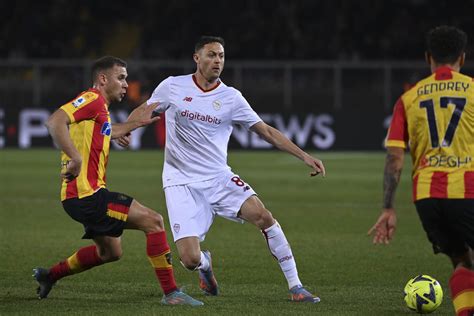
{"x": 178, "y": 297}
{"x": 207, "y": 281}
{"x": 300, "y": 294}
{"x": 44, "y": 282}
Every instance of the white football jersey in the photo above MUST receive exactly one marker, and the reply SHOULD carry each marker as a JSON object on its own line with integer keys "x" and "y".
{"x": 198, "y": 127}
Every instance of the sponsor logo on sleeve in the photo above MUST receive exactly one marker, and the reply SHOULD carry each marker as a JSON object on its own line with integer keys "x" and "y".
{"x": 76, "y": 103}
{"x": 106, "y": 129}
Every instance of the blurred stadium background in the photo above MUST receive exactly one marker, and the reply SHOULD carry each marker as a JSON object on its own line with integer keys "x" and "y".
{"x": 324, "y": 72}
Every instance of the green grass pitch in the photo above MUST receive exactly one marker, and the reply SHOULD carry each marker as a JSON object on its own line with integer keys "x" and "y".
{"x": 325, "y": 221}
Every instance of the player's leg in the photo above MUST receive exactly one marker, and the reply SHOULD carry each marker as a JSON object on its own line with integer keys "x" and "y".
{"x": 92, "y": 213}
{"x": 253, "y": 211}
{"x": 461, "y": 282}
{"x": 158, "y": 251}
{"x": 83, "y": 259}
{"x": 189, "y": 250}
{"x": 191, "y": 216}
{"x": 157, "y": 248}
{"x": 449, "y": 225}
{"x": 107, "y": 249}
{"x": 465, "y": 260}
{"x": 193, "y": 258}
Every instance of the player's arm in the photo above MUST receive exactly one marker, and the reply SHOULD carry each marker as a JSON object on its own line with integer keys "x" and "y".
{"x": 386, "y": 224}
{"x": 57, "y": 125}
{"x": 159, "y": 101}
{"x": 280, "y": 141}
{"x": 391, "y": 176}
{"x": 141, "y": 116}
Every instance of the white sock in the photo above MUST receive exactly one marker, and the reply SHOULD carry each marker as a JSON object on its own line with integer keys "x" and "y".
{"x": 204, "y": 265}
{"x": 281, "y": 250}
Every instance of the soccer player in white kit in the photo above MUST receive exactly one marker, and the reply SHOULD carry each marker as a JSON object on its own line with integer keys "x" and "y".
{"x": 198, "y": 183}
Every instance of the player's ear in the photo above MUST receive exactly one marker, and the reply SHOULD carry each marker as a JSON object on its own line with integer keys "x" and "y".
{"x": 196, "y": 57}
{"x": 99, "y": 79}
{"x": 428, "y": 58}
{"x": 462, "y": 59}
{"x": 102, "y": 78}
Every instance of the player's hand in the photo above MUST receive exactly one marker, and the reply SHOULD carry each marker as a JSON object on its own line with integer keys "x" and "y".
{"x": 73, "y": 168}
{"x": 147, "y": 117}
{"x": 124, "y": 141}
{"x": 385, "y": 227}
{"x": 316, "y": 164}
{"x": 144, "y": 115}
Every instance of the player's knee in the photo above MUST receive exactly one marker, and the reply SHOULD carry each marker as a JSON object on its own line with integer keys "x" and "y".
{"x": 152, "y": 222}
{"x": 264, "y": 219}
{"x": 191, "y": 262}
{"x": 268, "y": 218}
{"x": 156, "y": 221}
{"x": 465, "y": 260}
{"x": 115, "y": 256}
{"x": 111, "y": 255}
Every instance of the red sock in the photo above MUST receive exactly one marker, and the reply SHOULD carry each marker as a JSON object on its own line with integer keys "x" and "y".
{"x": 462, "y": 291}
{"x": 159, "y": 254}
{"x": 84, "y": 259}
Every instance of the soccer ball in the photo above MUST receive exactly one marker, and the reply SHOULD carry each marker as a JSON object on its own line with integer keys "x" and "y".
{"x": 423, "y": 294}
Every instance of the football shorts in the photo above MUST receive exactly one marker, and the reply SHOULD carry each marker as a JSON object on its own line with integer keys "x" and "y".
{"x": 103, "y": 213}
{"x": 192, "y": 207}
{"x": 448, "y": 223}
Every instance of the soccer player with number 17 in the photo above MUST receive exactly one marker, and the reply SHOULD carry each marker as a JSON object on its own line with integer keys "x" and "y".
{"x": 436, "y": 120}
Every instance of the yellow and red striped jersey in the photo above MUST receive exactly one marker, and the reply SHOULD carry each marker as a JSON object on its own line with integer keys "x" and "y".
{"x": 90, "y": 131}
{"x": 435, "y": 119}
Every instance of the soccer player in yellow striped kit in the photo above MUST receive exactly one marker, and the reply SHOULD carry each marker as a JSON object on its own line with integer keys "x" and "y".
{"x": 435, "y": 119}
{"x": 82, "y": 129}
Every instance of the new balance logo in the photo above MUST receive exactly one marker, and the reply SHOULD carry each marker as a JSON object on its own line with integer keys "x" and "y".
{"x": 285, "y": 258}
{"x": 187, "y": 99}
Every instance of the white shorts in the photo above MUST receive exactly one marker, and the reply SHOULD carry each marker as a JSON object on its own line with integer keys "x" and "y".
{"x": 192, "y": 207}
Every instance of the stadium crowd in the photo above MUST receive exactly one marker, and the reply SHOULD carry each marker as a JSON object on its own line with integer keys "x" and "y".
{"x": 254, "y": 29}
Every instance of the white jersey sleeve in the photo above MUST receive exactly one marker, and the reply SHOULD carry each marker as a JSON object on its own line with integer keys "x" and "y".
{"x": 161, "y": 95}
{"x": 243, "y": 114}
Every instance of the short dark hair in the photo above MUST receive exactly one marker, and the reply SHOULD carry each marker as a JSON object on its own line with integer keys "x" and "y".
{"x": 446, "y": 43}
{"x": 203, "y": 40}
{"x": 105, "y": 63}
